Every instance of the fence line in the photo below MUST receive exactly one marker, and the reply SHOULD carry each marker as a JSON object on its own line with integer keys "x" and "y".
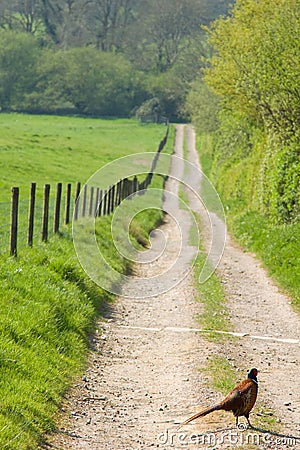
{"x": 93, "y": 202}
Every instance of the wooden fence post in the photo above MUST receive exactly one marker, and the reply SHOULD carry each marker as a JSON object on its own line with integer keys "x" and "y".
{"x": 135, "y": 184}
{"x": 97, "y": 203}
{"x": 112, "y": 199}
{"x": 77, "y": 198}
{"x": 46, "y": 212}
{"x": 14, "y": 221}
{"x": 118, "y": 193}
{"x": 57, "y": 207}
{"x": 31, "y": 214}
{"x": 91, "y": 201}
{"x": 104, "y": 206}
{"x": 100, "y": 206}
{"x": 68, "y": 203}
{"x": 124, "y": 188}
{"x": 84, "y": 200}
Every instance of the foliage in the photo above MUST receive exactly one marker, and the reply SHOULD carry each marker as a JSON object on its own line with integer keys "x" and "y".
{"x": 203, "y": 106}
{"x": 167, "y": 30}
{"x": 88, "y": 81}
{"x": 256, "y": 65}
{"x": 18, "y": 56}
{"x": 150, "y": 111}
{"x": 170, "y": 92}
{"x": 254, "y": 73}
{"x": 101, "y": 57}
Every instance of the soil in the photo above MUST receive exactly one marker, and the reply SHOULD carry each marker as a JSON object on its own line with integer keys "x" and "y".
{"x": 146, "y": 371}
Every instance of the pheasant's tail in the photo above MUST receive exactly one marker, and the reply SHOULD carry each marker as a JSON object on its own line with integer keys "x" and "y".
{"x": 202, "y": 413}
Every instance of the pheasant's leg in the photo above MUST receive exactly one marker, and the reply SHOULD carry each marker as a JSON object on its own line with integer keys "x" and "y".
{"x": 250, "y": 425}
{"x": 237, "y": 421}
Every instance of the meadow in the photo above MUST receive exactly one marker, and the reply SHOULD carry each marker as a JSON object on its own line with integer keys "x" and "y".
{"x": 52, "y": 149}
{"x": 49, "y": 306}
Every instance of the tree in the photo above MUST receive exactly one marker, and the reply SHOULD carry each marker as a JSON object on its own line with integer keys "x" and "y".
{"x": 18, "y": 55}
{"x": 164, "y": 31}
{"x": 255, "y": 72}
{"x": 256, "y": 65}
{"x": 85, "y": 80}
{"x": 106, "y": 21}
{"x": 21, "y": 15}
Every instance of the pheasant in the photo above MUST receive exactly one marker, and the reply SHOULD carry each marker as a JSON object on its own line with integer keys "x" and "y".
{"x": 240, "y": 400}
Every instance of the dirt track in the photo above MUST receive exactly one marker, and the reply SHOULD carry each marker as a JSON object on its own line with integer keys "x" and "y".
{"x": 145, "y": 372}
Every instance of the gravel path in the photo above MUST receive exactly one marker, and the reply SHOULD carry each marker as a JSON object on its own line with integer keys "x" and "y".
{"x": 145, "y": 373}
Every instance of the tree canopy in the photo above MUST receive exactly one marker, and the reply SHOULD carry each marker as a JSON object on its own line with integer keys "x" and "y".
{"x": 101, "y": 56}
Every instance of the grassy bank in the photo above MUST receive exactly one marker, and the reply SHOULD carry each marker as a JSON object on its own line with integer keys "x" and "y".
{"x": 48, "y": 306}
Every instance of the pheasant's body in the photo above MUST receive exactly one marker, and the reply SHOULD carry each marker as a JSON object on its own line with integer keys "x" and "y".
{"x": 240, "y": 400}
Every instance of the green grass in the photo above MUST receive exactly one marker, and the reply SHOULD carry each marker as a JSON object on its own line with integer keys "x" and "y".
{"x": 222, "y": 375}
{"x": 48, "y": 307}
{"x": 51, "y": 149}
{"x": 48, "y": 304}
{"x": 215, "y": 315}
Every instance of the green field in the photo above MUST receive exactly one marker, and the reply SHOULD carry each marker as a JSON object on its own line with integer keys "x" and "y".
{"x": 48, "y": 304}
{"x": 51, "y": 149}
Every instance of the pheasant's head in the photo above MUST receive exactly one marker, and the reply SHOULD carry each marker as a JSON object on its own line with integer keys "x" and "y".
{"x": 253, "y": 374}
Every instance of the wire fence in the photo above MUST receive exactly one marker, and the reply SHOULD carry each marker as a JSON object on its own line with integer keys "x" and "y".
{"x": 25, "y": 222}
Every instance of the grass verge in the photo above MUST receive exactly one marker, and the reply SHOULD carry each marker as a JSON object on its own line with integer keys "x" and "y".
{"x": 48, "y": 306}
{"x": 215, "y": 315}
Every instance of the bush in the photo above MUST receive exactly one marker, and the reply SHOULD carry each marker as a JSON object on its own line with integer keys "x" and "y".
{"x": 87, "y": 80}
{"x": 19, "y": 53}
